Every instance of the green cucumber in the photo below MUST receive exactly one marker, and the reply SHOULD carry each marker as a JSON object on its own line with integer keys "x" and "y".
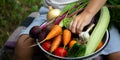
{"x": 81, "y": 51}
{"x": 72, "y": 51}
{"x": 77, "y": 50}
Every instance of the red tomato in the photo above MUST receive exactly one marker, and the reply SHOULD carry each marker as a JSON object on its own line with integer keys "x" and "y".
{"x": 60, "y": 52}
{"x": 46, "y": 45}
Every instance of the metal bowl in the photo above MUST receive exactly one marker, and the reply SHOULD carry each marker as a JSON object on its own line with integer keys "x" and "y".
{"x": 93, "y": 55}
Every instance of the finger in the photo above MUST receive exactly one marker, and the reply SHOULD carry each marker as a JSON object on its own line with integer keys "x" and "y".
{"x": 78, "y": 26}
{"x": 81, "y": 28}
{"x": 70, "y": 24}
{"x": 73, "y": 26}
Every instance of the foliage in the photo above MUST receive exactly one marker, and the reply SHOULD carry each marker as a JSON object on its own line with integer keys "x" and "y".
{"x": 12, "y": 13}
{"x": 114, "y": 7}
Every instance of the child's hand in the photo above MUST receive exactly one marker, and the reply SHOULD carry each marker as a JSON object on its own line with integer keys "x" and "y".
{"x": 80, "y": 21}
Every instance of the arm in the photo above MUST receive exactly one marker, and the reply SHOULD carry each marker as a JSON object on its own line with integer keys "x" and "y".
{"x": 94, "y": 6}
{"x": 83, "y": 19}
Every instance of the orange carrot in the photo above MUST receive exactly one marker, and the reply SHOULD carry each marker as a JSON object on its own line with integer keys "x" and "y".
{"x": 66, "y": 37}
{"x": 56, "y": 30}
{"x": 72, "y": 42}
{"x": 100, "y": 45}
{"x": 56, "y": 42}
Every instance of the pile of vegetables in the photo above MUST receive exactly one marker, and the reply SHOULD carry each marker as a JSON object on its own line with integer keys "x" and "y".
{"x": 55, "y": 37}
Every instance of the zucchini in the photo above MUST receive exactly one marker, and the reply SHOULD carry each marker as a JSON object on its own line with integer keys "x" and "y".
{"x": 98, "y": 31}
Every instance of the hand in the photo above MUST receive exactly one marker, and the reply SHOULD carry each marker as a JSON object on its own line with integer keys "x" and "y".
{"x": 80, "y": 21}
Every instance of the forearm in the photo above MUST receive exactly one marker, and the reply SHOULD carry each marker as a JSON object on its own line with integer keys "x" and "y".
{"x": 94, "y": 6}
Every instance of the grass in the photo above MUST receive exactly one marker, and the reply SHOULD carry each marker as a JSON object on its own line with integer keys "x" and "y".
{"x": 13, "y": 13}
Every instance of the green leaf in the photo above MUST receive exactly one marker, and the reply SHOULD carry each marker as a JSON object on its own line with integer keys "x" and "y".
{"x": 67, "y": 21}
{"x": 67, "y": 7}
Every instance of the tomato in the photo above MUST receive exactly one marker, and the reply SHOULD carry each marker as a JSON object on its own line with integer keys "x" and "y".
{"x": 46, "y": 45}
{"x": 62, "y": 52}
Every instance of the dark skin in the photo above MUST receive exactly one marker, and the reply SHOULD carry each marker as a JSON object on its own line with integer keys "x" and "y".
{"x": 23, "y": 50}
{"x": 114, "y": 56}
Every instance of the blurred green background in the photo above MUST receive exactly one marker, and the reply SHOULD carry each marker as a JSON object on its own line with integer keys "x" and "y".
{"x": 12, "y": 13}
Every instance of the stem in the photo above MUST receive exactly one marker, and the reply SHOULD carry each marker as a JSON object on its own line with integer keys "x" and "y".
{"x": 63, "y": 50}
{"x": 74, "y": 13}
{"x": 59, "y": 19}
{"x": 44, "y": 25}
{"x": 51, "y": 21}
{"x": 112, "y": 6}
{"x": 90, "y": 28}
{"x": 50, "y": 8}
{"x": 64, "y": 46}
{"x": 37, "y": 43}
{"x": 33, "y": 45}
{"x": 42, "y": 41}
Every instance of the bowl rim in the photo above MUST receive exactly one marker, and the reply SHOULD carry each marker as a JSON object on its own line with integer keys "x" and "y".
{"x": 82, "y": 57}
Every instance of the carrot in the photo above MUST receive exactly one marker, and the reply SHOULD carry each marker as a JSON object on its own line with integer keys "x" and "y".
{"x": 56, "y": 42}
{"x": 66, "y": 37}
{"x": 72, "y": 42}
{"x": 56, "y": 30}
{"x": 100, "y": 45}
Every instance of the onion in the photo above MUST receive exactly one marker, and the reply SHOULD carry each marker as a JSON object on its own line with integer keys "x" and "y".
{"x": 53, "y": 13}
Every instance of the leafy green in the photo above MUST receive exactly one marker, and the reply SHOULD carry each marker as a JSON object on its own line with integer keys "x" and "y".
{"x": 71, "y": 7}
{"x": 65, "y": 22}
{"x": 79, "y": 7}
{"x": 67, "y": 7}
